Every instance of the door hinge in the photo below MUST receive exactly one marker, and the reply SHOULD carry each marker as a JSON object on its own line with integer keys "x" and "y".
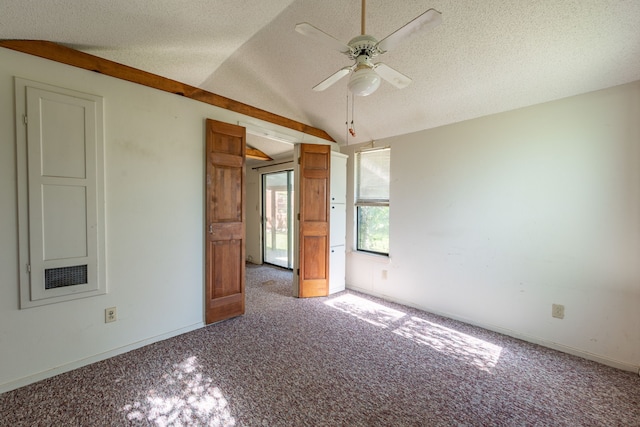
{"x": 210, "y": 228}
{"x": 298, "y": 216}
{"x": 25, "y": 119}
{"x": 299, "y": 161}
{"x": 28, "y": 268}
{"x": 298, "y": 272}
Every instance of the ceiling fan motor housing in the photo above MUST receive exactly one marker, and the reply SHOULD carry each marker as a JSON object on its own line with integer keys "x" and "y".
{"x": 363, "y": 45}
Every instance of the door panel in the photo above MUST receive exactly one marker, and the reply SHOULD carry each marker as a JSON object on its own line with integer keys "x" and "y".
{"x": 313, "y": 267}
{"x": 314, "y": 175}
{"x": 338, "y": 228}
{"x": 226, "y": 197}
{"x": 227, "y": 144}
{"x": 226, "y": 281}
{"x": 225, "y": 213}
{"x": 337, "y": 262}
{"x": 315, "y": 199}
{"x": 317, "y": 161}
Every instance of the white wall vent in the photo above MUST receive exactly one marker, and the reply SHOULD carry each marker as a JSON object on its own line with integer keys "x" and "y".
{"x": 65, "y": 276}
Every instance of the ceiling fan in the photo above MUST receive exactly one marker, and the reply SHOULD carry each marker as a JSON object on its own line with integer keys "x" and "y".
{"x": 365, "y": 75}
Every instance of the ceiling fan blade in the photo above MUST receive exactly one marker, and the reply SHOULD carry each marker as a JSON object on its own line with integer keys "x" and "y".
{"x": 309, "y": 30}
{"x": 431, "y": 18}
{"x": 391, "y": 75}
{"x": 332, "y": 79}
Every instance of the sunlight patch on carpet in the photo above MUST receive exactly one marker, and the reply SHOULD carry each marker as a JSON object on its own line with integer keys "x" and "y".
{"x": 189, "y": 399}
{"x": 465, "y": 348}
{"x": 474, "y": 351}
{"x": 367, "y": 310}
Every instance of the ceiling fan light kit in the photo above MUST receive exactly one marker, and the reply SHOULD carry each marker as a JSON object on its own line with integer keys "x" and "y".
{"x": 366, "y": 76}
{"x": 364, "y": 80}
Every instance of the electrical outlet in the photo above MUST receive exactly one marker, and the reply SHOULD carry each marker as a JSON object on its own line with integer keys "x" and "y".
{"x": 557, "y": 311}
{"x": 110, "y": 315}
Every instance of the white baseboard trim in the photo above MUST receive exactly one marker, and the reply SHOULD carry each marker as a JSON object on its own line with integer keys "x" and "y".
{"x": 21, "y": 382}
{"x": 532, "y": 339}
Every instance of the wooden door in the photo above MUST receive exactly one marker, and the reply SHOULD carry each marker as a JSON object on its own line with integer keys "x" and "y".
{"x": 313, "y": 241}
{"x": 225, "y": 215}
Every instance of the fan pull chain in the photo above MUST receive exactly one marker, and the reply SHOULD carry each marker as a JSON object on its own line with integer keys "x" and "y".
{"x": 346, "y": 123}
{"x": 352, "y": 128}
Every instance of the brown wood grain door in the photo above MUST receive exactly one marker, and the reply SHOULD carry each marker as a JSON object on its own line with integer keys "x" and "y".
{"x": 225, "y": 215}
{"x": 314, "y": 176}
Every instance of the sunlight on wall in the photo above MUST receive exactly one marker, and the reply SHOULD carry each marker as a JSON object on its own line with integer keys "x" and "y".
{"x": 465, "y": 348}
{"x": 369, "y": 311}
{"x": 189, "y": 399}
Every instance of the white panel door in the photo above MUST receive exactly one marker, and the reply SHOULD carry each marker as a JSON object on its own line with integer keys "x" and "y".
{"x": 338, "y": 224}
{"x": 61, "y": 193}
{"x": 337, "y": 273}
{"x": 338, "y": 177}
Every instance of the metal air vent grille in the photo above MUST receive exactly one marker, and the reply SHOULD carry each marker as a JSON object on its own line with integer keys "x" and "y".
{"x": 65, "y": 276}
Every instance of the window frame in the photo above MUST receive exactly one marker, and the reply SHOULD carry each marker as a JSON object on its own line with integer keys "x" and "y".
{"x": 363, "y": 202}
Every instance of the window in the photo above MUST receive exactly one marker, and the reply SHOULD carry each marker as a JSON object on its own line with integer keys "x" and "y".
{"x": 372, "y": 200}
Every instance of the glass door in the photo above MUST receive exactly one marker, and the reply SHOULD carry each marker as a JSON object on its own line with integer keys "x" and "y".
{"x": 277, "y": 213}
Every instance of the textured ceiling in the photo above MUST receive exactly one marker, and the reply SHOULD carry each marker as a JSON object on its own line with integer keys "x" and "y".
{"x": 485, "y": 57}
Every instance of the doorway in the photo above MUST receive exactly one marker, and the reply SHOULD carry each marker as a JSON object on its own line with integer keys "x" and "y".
{"x": 277, "y": 213}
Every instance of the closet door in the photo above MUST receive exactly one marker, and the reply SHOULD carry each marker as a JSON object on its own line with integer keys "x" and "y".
{"x": 60, "y": 162}
{"x": 313, "y": 241}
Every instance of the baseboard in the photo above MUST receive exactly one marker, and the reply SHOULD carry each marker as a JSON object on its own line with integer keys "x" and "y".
{"x": 532, "y": 339}
{"x": 21, "y": 382}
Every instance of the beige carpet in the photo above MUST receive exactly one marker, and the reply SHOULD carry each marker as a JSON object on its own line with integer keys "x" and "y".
{"x": 346, "y": 360}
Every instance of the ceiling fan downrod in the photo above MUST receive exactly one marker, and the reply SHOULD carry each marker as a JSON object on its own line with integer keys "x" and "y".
{"x": 362, "y": 19}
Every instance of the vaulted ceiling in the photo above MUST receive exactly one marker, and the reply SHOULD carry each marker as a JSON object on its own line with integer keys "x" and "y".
{"x": 486, "y": 56}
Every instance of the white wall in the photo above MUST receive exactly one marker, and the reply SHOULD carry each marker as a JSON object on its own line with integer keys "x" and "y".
{"x": 495, "y": 219}
{"x": 154, "y": 154}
